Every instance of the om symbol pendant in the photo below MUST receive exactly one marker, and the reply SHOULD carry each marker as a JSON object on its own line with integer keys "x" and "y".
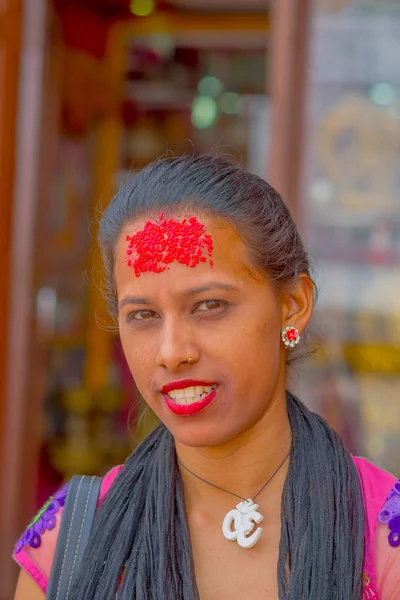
{"x": 239, "y": 524}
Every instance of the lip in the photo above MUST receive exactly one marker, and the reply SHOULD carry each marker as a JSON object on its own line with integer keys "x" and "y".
{"x": 187, "y": 410}
{"x": 185, "y": 383}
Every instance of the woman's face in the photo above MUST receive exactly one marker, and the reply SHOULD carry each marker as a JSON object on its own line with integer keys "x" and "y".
{"x": 227, "y": 320}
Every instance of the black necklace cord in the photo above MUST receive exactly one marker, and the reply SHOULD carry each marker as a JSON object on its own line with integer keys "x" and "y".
{"x": 232, "y": 493}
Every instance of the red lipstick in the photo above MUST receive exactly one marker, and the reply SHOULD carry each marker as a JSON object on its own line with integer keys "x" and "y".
{"x": 187, "y": 409}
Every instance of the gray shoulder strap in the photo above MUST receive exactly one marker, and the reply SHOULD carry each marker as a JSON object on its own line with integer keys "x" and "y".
{"x": 76, "y": 524}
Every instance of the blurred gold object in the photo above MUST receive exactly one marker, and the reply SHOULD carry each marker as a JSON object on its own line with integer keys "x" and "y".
{"x": 358, "y": 145}
{"x": 380, "y": 412}
{"x": 70, "y": 458}
{"x": 108, "y": 400}
{"x": 77, "y": 400}
{"x": 373, "y": 358}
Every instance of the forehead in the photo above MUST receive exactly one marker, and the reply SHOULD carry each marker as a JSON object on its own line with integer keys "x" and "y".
{"x": 228, "y": 259}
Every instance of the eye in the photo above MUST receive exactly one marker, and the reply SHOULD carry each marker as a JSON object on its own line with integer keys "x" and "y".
{"x": 211, "y": 305}
{"x": 142, "y": 315}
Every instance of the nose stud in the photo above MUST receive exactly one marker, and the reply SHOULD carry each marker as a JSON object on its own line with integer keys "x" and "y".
{"x": 190, "y": 359}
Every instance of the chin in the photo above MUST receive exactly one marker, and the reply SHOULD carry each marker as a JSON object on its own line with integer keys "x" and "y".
{"x": 217, "y": 424}
{"x": 201, "y": 435}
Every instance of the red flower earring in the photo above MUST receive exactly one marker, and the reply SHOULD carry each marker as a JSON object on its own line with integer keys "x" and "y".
{"x": 290, "y": 336}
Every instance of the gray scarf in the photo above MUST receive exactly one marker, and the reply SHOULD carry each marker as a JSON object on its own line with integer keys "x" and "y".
{"x": 141, "y": 528}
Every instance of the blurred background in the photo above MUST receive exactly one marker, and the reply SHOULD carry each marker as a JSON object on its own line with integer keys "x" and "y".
{"x": 306, "y": 94}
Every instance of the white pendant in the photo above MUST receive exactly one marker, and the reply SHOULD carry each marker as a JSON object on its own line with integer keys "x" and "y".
{"x": 243, "y": 518}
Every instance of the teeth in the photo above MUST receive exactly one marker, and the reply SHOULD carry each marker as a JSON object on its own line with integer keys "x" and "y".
{"x": 191, "y": 394}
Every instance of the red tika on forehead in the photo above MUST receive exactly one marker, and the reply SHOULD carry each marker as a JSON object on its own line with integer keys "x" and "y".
{"x": 159, "y": 244}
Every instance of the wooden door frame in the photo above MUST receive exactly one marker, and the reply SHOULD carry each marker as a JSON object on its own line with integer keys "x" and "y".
{"x": 290, "y": 59}
{"x": 10, "y": 47}
{"x": 20, "y": 414}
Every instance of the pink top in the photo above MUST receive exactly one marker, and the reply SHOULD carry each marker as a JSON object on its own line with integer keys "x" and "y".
{"x": 381, "y": 579}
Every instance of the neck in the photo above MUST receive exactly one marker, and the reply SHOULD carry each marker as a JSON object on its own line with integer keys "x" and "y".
{"x": 241, "y": 465}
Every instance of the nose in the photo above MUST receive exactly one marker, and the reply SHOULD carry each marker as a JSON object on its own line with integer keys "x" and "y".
{"x": 176, "y": 347}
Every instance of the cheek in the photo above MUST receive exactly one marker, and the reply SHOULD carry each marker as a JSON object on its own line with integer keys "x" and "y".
{"x": 260, "y": 347}
{"x": 267, "y": 344}
{"x": 260, "y": 331}
{"x": 267, "y": 333}
{"x": 257, "y": 350}
{"x": 136, "y": 356}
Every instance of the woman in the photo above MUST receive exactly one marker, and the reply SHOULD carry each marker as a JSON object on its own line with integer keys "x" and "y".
{"x": 241, "y": 492}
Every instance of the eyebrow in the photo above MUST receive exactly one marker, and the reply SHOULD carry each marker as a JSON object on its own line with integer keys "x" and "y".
{"x": 213, "y": 285}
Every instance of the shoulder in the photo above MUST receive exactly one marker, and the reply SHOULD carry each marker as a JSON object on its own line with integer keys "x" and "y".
{"x": 390, "y": 514}
{"x": 35, "y": 549}
{"x": 374, "y": 480}
{"x": 381, "y": 491}
{"x": 387, "y": 546}
{"x": 377, "y": 484}
{"x": 44, "y": 520}
{"x": 108, "y": 480}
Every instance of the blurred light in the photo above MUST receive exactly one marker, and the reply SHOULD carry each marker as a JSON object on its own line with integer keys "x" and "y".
{"x": 46, "y": 309}
{"x": 210, "y": 86}
{"x": 321, "y": 191}
{"x": 142, "y": 8}
{"x": 394, "y": 112}
{"x": 204, "y": 112}
{"x": 382, "y": 94}
{"x": 230, "y": 103}
{"x": 163, "y": 44}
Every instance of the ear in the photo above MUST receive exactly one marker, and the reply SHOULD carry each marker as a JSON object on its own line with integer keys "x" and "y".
{"x": 297, "y": 303}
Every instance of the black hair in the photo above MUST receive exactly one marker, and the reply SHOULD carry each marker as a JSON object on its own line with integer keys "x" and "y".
{"x": 141, "y": 528}
{"x": 209, "y": 185}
